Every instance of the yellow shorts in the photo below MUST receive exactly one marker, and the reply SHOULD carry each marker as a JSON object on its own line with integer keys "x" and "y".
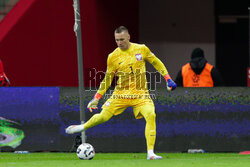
{"x": 117, "y": 106}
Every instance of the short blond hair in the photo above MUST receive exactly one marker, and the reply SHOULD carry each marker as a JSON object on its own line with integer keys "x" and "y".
{"x": 121, "y": 29}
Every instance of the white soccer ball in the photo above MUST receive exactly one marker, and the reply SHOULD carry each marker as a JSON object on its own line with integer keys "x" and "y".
{"x": 85, "y": 151}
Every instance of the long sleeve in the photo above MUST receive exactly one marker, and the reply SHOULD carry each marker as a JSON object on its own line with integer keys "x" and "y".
{"x": 106, "y": 82}
{"x": 159, "y": 66}
{"x": 157, "y": 63}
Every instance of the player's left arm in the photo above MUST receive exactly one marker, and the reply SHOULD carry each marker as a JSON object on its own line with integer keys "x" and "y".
{"x": 159, "y": 66}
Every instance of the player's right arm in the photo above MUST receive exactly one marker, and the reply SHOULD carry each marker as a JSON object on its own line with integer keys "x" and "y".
{"x": 110, "y": 73}
{"x": 105, "y": 84}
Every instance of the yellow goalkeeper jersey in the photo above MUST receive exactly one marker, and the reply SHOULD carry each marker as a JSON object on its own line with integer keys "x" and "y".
{"x": 129, "y": 67}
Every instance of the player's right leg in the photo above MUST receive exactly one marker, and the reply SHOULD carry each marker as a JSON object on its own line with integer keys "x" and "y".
{"x": 96, "y": 119}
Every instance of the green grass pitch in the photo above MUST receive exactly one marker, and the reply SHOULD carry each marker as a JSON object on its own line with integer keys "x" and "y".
{"x": 124, "y": 159}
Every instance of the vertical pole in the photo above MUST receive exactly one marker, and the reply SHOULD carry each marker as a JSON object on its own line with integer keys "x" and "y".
{"x": 248, "y": 69}
{"x": 249, "y": 36}
{"x": 78, "y": 33}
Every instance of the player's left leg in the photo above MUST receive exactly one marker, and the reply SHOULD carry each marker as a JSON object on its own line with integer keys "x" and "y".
{"x": 96, "y": 119}
{"x": 148, "y": 112}
{"x": 111, "y": 107}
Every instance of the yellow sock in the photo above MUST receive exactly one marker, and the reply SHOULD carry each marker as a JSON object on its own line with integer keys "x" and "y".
{"x": 98, "y": 119}
{"x": 150, "y": 129}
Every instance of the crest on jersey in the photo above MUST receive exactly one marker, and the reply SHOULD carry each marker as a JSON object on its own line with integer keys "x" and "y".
{"x": 138, "y": 57}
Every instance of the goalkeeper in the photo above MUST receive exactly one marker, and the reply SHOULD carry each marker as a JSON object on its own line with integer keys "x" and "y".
{"x": 127, "y": 62}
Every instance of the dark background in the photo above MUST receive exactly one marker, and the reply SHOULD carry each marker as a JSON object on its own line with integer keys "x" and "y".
{"x": 38, "y": 45}
{"x": 232, "y": 41}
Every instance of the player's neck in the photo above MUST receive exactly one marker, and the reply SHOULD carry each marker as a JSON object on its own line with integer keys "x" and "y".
{"x": 129, "y": 45}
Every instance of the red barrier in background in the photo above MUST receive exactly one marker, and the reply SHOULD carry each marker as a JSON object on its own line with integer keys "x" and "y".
{"x": 38, "y": 44}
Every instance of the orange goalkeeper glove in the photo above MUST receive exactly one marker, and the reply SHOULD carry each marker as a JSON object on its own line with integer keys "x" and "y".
{"x": 93, "y": 103}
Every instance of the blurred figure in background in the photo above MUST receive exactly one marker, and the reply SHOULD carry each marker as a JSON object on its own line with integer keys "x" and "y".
{"x": 4, "y": 81}
{"x": 198, "y": 72}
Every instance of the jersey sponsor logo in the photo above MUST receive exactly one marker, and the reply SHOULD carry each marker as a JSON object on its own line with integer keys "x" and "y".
{"x": 138, "y": 57}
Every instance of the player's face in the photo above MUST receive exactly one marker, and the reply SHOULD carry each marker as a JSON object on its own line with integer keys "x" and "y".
{"x": 122, "y": 40}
